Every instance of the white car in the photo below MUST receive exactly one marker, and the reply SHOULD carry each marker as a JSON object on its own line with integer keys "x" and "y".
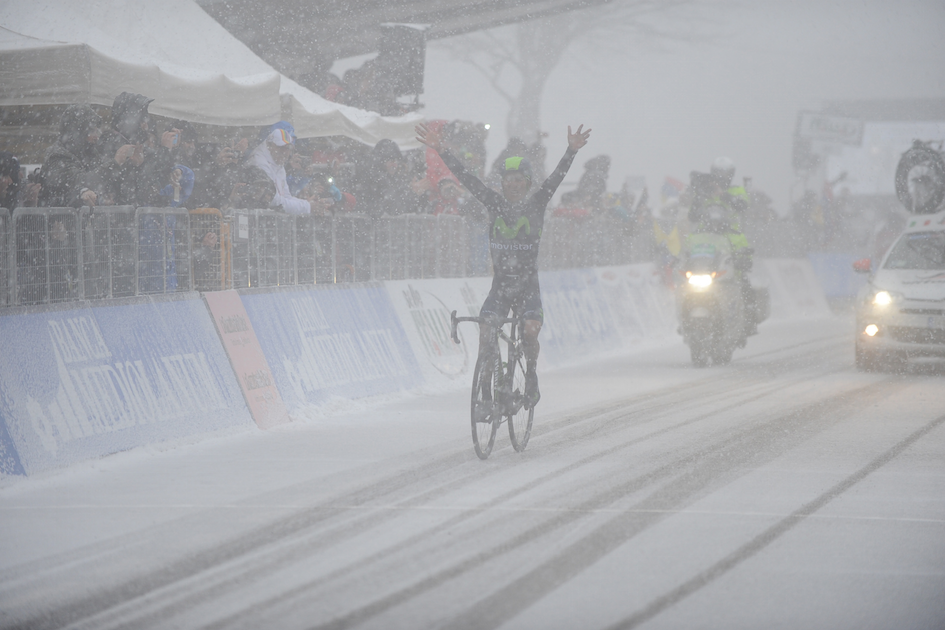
{"x": 900, "y": 313}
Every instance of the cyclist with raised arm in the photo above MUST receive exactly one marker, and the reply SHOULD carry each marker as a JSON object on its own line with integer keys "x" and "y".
{"x": 516, "y": 221}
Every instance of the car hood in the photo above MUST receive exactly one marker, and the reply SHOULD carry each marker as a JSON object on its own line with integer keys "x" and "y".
{"x": 913, "y": 284}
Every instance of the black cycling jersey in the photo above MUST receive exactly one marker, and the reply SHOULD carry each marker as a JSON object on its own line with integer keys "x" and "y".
{"x": 515, "y": 230}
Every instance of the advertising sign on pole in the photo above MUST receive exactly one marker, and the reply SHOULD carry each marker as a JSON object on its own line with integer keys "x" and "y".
{"x": 826, "y": 129}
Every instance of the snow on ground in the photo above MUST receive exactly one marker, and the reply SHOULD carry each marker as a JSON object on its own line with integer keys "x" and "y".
{"x": 785, "y": 490}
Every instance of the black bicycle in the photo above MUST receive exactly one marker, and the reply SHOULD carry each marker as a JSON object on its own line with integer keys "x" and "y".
{"x": 498, "y": 387}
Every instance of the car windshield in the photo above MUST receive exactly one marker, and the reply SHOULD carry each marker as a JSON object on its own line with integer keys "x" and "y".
{"x": 918, "y": 250}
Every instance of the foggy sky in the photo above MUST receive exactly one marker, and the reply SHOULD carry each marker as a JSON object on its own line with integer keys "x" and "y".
{"x": 668, "y": 109}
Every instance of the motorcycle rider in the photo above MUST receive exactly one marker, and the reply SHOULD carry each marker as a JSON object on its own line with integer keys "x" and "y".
{"x": 717, "y": 190}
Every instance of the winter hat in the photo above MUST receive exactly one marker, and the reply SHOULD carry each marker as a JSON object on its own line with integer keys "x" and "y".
{"x": 128, "y": 112}
{"x": 282, "y": 124}
{"x": 280, "y": 137}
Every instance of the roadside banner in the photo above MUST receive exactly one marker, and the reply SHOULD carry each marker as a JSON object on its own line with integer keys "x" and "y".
{"x": 793, "y": 288}
{"x": 578, "y": 319}
{"x": 642, "y": 306}
{"x": 83, "y": 380}
{"x": 331, "y": 341}
{"x": 424, "y": 308}
{"x": 247, "y": 358}
{"x": 835, "y": 274}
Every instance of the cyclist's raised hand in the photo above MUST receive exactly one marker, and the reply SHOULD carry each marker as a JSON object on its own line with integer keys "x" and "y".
{"x": 429, "y": 136}
{"x": 578, "y": 139}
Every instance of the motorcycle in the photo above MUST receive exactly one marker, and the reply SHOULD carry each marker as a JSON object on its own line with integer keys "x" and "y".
{"x": 710, "y": 300}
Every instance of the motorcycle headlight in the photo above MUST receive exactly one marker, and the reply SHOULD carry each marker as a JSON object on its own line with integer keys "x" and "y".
{"x": 699, "y": 280}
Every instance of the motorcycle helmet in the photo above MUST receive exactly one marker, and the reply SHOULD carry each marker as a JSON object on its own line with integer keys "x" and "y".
{"x": 723, "y": 170}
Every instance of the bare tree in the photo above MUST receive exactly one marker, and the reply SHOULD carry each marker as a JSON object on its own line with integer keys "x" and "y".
{"x": 533, "y": 49}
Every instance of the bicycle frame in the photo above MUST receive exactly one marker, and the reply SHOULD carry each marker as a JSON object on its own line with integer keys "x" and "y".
{"x": 501, "y": 396}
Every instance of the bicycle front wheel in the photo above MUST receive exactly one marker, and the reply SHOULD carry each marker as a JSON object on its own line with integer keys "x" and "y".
{"x": 484, "y": 422}
{"x": 520, "y": 422}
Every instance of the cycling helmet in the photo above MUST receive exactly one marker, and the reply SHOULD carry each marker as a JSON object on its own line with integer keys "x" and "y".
{"x": 723, "y": 170}
{"x": 518, "y": 165}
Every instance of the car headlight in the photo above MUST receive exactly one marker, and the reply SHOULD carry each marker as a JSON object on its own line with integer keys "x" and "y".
{"x": 885, "y": 298}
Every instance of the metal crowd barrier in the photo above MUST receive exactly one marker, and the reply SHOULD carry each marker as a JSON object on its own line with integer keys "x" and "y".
{"x": 109, "y": 251}
{"x": 47, "y": 258}
{"x": 405, "y": 247}
{"x": 353, "y": 248}
{"x": 585, "y": 242}
{"x": 163, "y": 250}
{"x": 275, "y": 248}
{"x": 452, "y": 246}
{"x": 210, "y": 248}
{"x": 263, "y": 248}
{"x": 7, "y": 264}
{"x": 61, "y": 254}
{"x": 314, "y": 256}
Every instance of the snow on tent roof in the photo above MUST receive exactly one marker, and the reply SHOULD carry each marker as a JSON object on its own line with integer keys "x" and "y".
{"x": 55, "y": 52}
{"x": 314, "y": 116}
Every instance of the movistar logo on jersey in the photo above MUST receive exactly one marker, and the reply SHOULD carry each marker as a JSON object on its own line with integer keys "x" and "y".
{"x": 506, "y": 232}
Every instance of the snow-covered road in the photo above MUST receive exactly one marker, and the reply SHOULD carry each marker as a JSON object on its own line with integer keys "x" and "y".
{"x": 786, "y": 490}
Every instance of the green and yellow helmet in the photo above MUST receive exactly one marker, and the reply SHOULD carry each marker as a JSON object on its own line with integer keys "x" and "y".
{"x": 518, "y": 165}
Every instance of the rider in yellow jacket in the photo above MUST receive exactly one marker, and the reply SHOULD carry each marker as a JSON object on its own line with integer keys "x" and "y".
{"x": 721, "y": 192}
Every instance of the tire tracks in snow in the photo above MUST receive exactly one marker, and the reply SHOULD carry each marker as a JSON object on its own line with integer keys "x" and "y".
{"x": 255, "y": 543}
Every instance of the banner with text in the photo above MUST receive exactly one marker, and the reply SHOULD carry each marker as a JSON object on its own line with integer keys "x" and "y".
{"x": 331, "y": 341}
{"x": 247, "y": 358}
{"x": 83, "y": 381}
{"x": 578, "y": 319}
{"x": 424, "y": 307}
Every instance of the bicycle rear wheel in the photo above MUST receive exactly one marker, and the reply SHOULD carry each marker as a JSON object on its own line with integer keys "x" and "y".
{"x": 520, "y": 423}
{"x": 484, "y": 425}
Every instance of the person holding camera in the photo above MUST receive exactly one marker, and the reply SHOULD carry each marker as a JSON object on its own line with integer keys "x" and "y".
{"x": 135, "y": 168}
{"x": 271, "y": 156}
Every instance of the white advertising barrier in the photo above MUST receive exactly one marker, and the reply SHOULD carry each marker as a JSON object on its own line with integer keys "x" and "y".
{"x": 592, "y": 311}
{"x": 83, "y": 380}
{"x": 793, "y": 287}
{"x": 331, "y": 342}
{"x": 643, "y": 307}
{"x": 587, "y": 311}
{"x": 424, "y": 308}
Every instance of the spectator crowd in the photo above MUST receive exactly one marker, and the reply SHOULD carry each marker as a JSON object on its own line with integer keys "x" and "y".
{"x": 130, "y": 159}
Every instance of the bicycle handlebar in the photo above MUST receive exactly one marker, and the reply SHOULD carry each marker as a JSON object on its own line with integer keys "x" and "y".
{"x": 479, "y": 320}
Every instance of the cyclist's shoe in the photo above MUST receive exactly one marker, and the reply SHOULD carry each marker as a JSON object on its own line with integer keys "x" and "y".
{"x": 483, "y": 409}
{"x": 532, "y": 394}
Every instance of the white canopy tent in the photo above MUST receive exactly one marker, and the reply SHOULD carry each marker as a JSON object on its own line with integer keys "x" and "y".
{"x": 313, "y": 116}
{"x": 56, "y": 52}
